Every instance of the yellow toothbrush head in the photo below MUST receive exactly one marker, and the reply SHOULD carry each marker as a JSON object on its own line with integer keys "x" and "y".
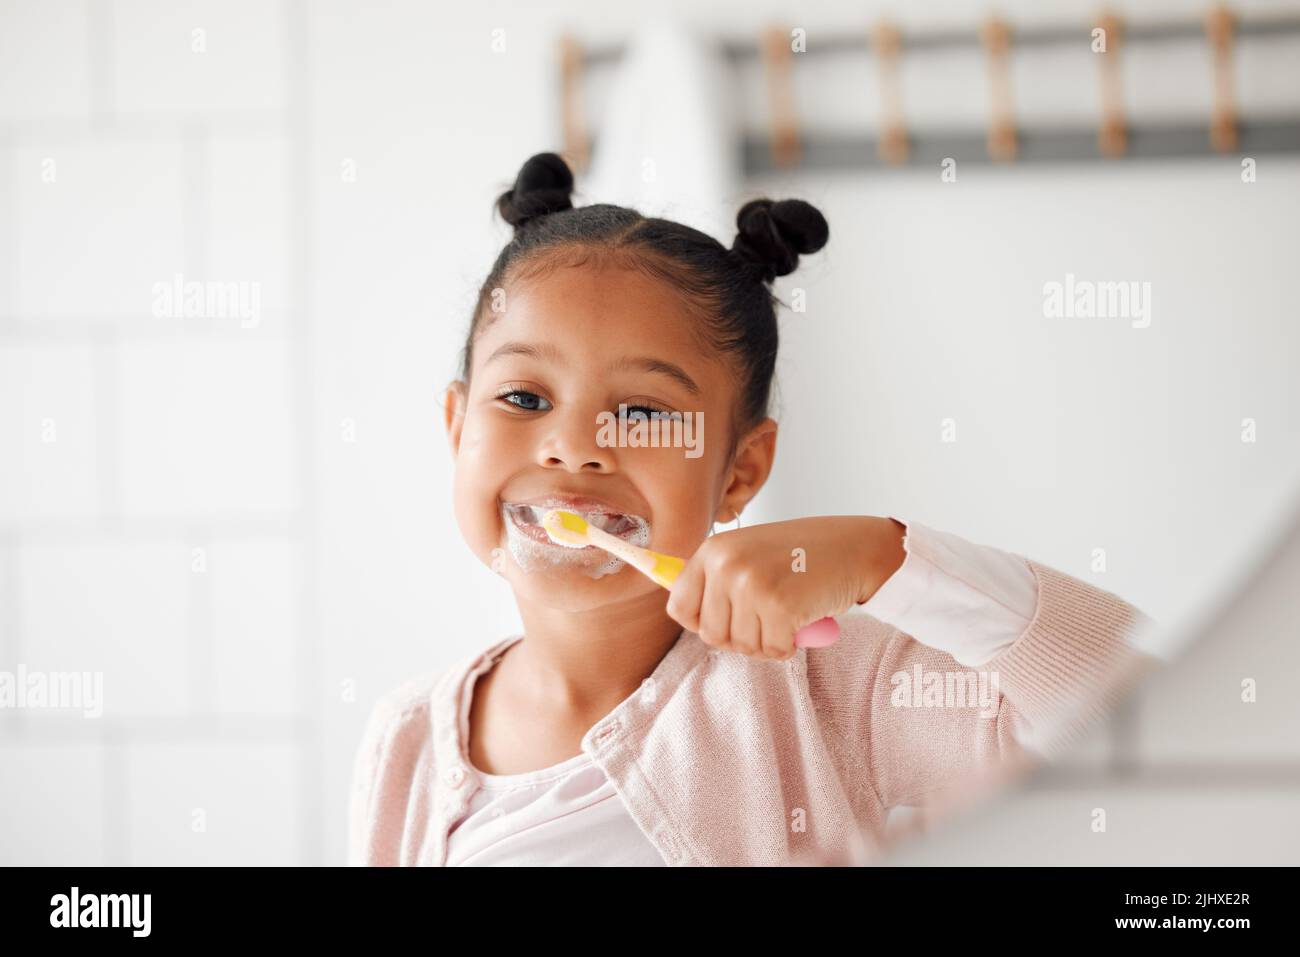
{"x": 573, "y": 531}
{"x": 566, "y": 528}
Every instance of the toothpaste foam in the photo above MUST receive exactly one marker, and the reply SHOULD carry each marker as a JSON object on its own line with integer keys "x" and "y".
{"x": 531, "y": 555}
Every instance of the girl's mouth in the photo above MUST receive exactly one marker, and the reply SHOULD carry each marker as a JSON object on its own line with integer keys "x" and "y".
{"x": 533, "y": 550}
{"x": 527, "y": 519}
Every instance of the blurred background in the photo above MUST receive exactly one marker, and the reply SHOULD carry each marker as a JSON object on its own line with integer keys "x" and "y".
{"x": 240, "y": 513}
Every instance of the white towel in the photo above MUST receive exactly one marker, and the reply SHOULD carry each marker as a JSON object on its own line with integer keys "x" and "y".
{"x": 666, "y": 144}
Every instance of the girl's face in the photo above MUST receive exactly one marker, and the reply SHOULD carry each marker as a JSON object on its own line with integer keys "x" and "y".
{"x": 541, "y": 419}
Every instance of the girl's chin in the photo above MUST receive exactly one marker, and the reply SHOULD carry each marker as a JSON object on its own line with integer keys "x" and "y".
{"x": 576, "y": 576}
{"x": 574, "y": 592}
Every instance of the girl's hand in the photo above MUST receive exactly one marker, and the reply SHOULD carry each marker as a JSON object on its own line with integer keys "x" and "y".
{"x": 749, "y": 590}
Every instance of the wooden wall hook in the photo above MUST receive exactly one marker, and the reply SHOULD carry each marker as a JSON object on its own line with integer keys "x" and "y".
{"x": 892, "y": 146}
{"x": 1219, "y": 30}
{"x": 1112, "y": 134}
{"x": 778, "y": 63}
{"x": 577, "y": 146}
{"x": 996, "y": 36}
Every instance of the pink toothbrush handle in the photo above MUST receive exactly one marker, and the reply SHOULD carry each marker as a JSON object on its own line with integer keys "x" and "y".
{"x": 822, "y": 632}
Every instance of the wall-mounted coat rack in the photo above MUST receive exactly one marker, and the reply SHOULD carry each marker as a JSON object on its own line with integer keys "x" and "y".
{"x": 1003, "y": 139}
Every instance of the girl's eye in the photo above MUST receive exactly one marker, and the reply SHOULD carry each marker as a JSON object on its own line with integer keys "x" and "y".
{"x": 648, "y": 411}
{"x": 528, "y": 400}
{"x": 532, "y": 402}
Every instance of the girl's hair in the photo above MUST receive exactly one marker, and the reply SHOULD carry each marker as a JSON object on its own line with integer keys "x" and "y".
{"x": 727, "y": 291}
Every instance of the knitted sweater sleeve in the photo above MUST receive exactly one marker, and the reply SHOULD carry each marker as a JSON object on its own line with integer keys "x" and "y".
{"x": 920, "y": 719}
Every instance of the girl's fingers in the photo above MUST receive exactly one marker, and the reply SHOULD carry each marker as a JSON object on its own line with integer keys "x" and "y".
{"x": 778, "y": 637}
{"x": 686, "y": 596}
{"x": 715, "y": 616}
{"x": 746, "y": 631}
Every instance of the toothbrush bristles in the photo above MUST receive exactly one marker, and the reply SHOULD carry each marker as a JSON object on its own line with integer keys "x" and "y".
{"x": 565, "y": 528}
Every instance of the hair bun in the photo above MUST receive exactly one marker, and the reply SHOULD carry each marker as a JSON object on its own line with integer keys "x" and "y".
{"x": 773, "y": 234}
{"x": 543, "y": 186}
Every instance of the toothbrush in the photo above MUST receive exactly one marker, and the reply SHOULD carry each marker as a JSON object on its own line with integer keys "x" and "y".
{"x": 573, "y": 531}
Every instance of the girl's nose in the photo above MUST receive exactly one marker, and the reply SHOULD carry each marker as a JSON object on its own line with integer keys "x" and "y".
{"x": 571, "y": 443}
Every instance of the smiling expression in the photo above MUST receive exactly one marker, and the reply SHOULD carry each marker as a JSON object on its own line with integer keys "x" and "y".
{"x": 570, "y": 345}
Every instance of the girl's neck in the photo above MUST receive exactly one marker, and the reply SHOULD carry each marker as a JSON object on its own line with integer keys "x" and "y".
{"x": 589, "y": 662}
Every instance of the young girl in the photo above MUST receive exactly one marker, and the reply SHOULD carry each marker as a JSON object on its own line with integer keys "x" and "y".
{"x": 630, "y": 725}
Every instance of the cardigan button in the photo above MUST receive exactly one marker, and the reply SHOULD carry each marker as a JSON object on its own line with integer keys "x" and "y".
{"x": 649, "y": 691}
{"x": 454, "y": 775}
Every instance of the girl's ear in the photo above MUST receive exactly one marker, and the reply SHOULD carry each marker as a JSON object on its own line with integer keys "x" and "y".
{"x": 454, "y": 398}
{"x": 755, "y": 456}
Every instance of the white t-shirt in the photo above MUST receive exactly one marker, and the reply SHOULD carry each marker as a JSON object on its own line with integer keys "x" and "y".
{"x": 566, "y": 815}
{"x": 972, "y": 599}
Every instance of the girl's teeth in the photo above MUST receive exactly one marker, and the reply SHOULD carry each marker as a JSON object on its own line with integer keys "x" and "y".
{"x": 606, "y": 522}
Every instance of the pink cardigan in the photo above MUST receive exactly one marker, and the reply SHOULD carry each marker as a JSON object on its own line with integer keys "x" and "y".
{"x": 722, "y": 759}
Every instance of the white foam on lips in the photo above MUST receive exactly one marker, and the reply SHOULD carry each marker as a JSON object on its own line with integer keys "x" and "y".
{"x": 531, "y": 555}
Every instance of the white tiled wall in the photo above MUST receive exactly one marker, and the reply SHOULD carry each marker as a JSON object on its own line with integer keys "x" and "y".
{"x": 193, "y": 802}
{"x": 121, "y": 608}
{"x": 68, "y": 820}
{"x": 153, "y": 485}
{"x": 243, "y": 64}
{"x": 256, "y": 628}
{"x": 48, "y": 422}
{"x": 204, "y": 428}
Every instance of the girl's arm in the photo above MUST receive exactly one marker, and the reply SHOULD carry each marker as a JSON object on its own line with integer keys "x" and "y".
{"x": 969, "y": 600}
{"x": 988, "y": 655}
